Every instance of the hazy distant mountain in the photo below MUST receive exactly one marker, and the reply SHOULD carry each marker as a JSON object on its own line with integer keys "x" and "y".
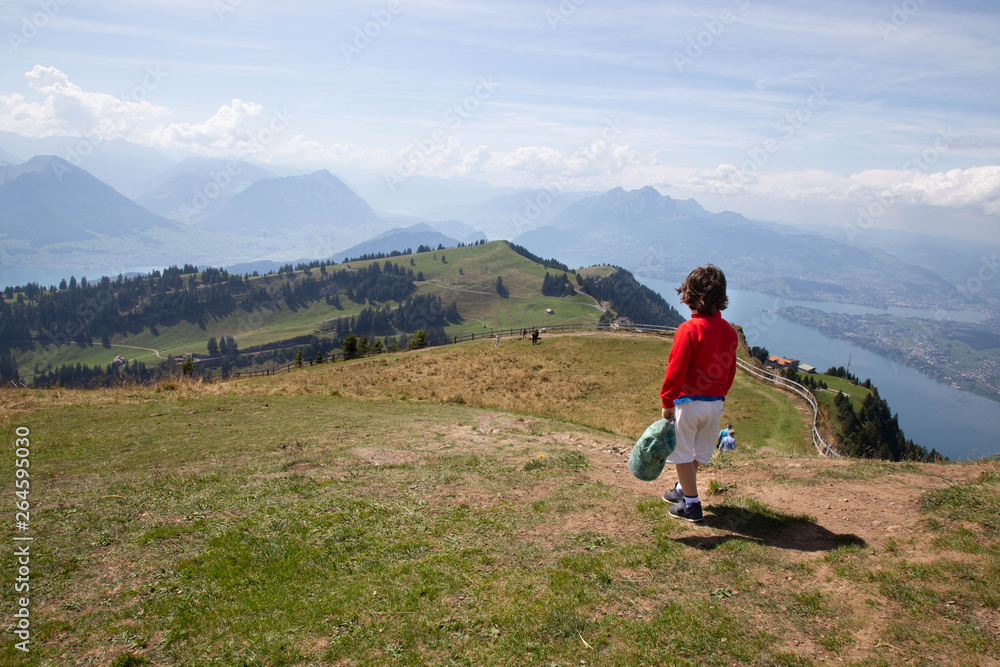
{"x": 460, "y": 230}
{"x": 508, "y": 215}
{"x": 125, "y": 166}
{"x": 399, "y": 239}
{"x": 198, "y": 187}
{"x": 316, "y": 213}
{"x": 454, "y": 228}
{"x": 6, "y": 159}
{"x": 413, "y": 195}
{"x": 956, "y": 260}
{"x": 48, "y": 200}
{"x": 657, "y": 236}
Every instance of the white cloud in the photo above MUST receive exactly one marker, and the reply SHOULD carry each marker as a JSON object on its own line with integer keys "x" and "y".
{"x": 232, "y": 129}
{"x": 977, "y": 187}
{"x": 69, "y": 110}
{"x": 595, "y": 166}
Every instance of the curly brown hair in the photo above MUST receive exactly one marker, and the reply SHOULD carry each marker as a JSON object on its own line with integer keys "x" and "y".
{"x": 704, "y": 290}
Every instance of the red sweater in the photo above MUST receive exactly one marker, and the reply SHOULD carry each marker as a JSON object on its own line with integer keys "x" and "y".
{"x": 702, "y": 360}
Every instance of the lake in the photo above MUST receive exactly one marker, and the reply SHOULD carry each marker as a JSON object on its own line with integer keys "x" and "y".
{"x": 49, "y": 277}
{"x": 956, "y": 423}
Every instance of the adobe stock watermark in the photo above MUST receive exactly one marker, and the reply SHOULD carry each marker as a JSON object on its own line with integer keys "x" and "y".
{"x": 703, "y": 40}
{"x": 763, "y": 321}
{"x": 30, "y": 27}
{"x": 920, "y": 163}
{"x": 657, "y": 261}
{"x": 901, "y": 14}
{"x": 452, "y": 119}
{"x": 218, "y": 183}
{"x": 787, "y": 127}
{"x": 563, "y": 11}
{"x": 964, "y": 295}
{"x": 223, "y": 7}
{"x": 23, "y": 538}
{"x": 553, "y": 188}
{"x": 371, "y": 30}
{"x": 105, "y": 130}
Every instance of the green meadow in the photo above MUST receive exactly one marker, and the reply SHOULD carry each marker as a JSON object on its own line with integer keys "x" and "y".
{"x": 471, "y": 505}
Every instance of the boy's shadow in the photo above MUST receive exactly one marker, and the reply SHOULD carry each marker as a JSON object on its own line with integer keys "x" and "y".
{"x": 767, "y": 529}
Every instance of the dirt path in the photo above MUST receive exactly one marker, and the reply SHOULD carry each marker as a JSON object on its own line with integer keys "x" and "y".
{"x": 136, "y": 347}
{"x": 849, "y": 500}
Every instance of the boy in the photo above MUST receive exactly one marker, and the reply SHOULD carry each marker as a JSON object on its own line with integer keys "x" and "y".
{"x": 700, "y": 371}
{"x": 722, "y": 434}
{"x": 728, "y": 443}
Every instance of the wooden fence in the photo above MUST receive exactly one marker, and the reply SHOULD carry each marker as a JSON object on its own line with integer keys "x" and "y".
{"x": 486, "y": 334}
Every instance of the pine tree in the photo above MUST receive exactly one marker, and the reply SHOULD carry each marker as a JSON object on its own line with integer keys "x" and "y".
{"x": 417, "y": 341}
{"x": 350, "y": 346}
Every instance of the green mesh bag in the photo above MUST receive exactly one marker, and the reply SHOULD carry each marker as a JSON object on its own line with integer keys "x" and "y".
{"x": 652, "y": 449}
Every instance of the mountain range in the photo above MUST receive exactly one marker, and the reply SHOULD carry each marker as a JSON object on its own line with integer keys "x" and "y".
{"x": 47, "y": 199}
{"x": 318, "y": 208}
{"x": 660, "y": 237}
{"x": 56, "y": 214}
{"x": 199, "y": 187}
{"x": 127, "y": 167}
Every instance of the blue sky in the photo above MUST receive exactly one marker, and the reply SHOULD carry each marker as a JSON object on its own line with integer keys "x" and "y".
{"x": 809, "y": 114}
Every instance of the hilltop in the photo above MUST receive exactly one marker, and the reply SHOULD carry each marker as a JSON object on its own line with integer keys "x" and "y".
{"x": 472, "y": 505}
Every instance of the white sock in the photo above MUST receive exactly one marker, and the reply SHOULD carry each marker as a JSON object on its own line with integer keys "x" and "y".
{"x": 691, "y": 500}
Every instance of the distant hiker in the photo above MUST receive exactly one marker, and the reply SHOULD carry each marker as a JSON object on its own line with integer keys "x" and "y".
{"x": 497, "y": 344}
{"x": 700, "y": 372}
{"x": 729, "y": 442}
{"x": 524, "y": 333}
{"x": 534, "y": 336}
{"x": 722, "y": 434}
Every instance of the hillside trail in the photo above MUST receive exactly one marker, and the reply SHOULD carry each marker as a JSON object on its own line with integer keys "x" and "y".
{"x": 136, "y": 347}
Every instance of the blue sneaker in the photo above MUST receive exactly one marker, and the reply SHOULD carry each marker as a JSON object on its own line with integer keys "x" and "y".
{"x": 674, "y": 495}
{"x": 690, "y": 512}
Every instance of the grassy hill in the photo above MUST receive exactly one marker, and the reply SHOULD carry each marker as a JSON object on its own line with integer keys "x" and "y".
{"x": 466, "y": 276}
{"x": 472, "y": 505}
{"x": 469, "y": 275}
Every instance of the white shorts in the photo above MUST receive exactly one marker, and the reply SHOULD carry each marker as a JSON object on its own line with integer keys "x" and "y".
{"x": 696, "y": 424}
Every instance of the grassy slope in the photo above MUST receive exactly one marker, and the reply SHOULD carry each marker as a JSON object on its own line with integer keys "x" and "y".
{"x": 857, "y": 393}
{"x": 474, "y": 290}
{"x": 325, "y": 516}
{"x": 607, "y": 381}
